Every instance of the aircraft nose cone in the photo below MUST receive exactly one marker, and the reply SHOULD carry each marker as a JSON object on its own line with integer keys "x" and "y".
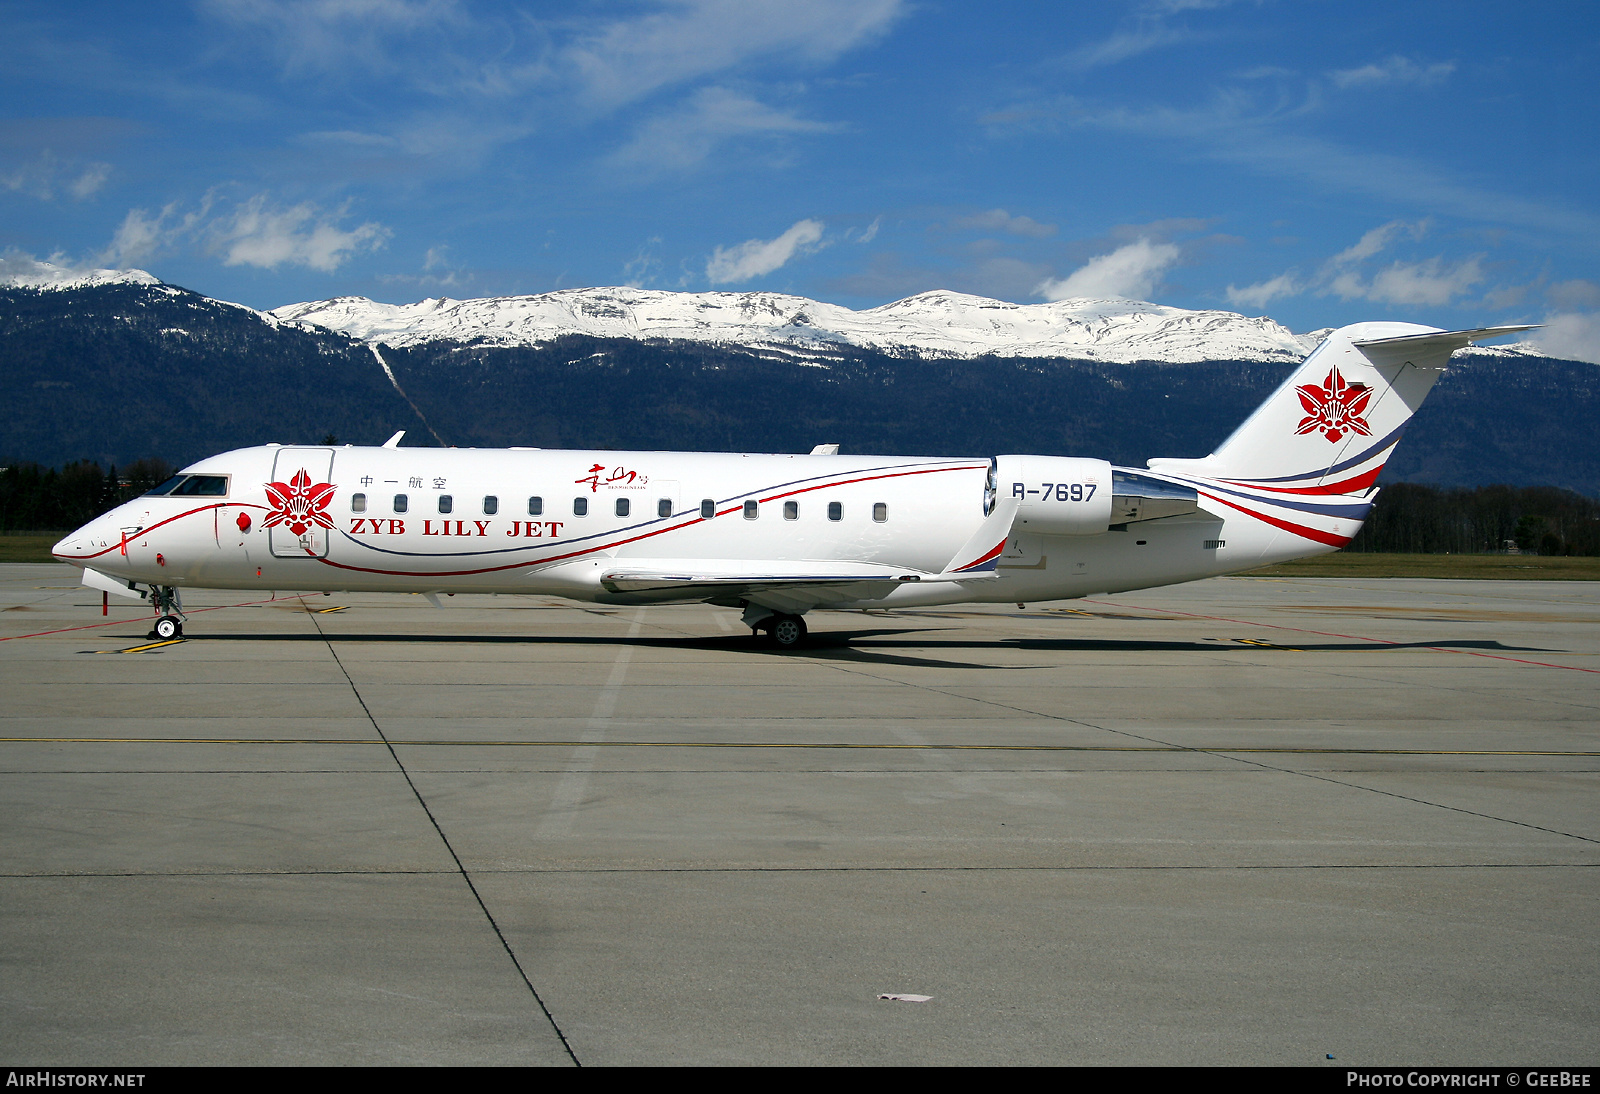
{"x": 75, "y": 547}
{"x": 69, "y": 548}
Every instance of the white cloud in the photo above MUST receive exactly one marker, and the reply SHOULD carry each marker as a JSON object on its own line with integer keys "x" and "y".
{"x": 93, "y": 177}
{"x": 1430, "y": 281}
{"x": 19, "y": 268}
{"x": 136, "y": 237}
{"x": 46, "y": 175}
{"x": 253, "y": 233}
{"x": 712, "y": 115}
{"x": 332, "y": 34}
{"x": 1573, "y": 336}
{"x": 691, "y": 39}
{"x": 141, "y": 235}
{"x": 1572, "y": 295}
{"x": 644, "y": 267}
{"x": 755, "y": 257}
{"x": 259, "y": 234}
{"x": 1125, "y": 44}
{"x": 1376, "y": 240}
{"x": 1148, "y": 31}
{"x": 1257, "y": 132}
{"x": 998, "y": 220}
{"x": 1393, "y": 70}
{"x": 1130, "y": 273}
{"x": 1263, "y": 293}
{"x": 872, "y": 231}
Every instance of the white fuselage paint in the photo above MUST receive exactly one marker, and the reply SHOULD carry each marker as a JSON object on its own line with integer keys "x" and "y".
{"x": 931, "y": 507}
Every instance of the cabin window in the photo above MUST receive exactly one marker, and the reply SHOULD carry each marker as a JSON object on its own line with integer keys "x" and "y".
{"x": 622, "y": 507}
{"x": 835, "y": 511}
{"x": 580, "y": 507}
{"x": 491, "y": 505}
{"x": 664, "y": 507}
{"x": 535, "y": 507}
{"x": 358, "y": 503}
{"x": 446, "y": 503}
{"x": 751, "y": 510}
{"x": 399, "y": 503}
{"x": 791, "y": 510}
{"x": 880, "y": 511}
{"x": 708, "y": 509}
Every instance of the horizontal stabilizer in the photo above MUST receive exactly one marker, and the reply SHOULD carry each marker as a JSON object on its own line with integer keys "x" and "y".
{"x": 1430, "y": 350}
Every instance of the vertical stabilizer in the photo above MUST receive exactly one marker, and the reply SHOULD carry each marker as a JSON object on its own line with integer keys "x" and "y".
{"x": 1307, "y": 461}
{"x": 1333, "y": 423}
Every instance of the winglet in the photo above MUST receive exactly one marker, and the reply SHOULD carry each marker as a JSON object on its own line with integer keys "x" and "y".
{"x": 394, "y": 442}
{"x": 980, "y": 555}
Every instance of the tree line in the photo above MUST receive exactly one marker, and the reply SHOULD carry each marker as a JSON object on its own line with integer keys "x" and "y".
{"x": 42, "y": 499}
{"x": 1408, "y": 518}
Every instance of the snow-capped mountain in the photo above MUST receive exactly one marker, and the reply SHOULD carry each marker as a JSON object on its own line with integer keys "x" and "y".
{"x": 30, "y": 273}
{"x": 931, "y": 324}
{"x": 941, "y": 324}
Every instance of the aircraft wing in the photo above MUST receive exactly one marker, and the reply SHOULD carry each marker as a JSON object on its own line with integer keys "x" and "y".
{"x": 798, "y": 586}
{"x": 779, "y": 585}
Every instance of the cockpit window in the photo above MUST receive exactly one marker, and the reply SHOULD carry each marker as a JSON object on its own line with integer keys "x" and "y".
{"x": 194, "y": 486}
{"x": 205, "y": 486}
{"x": 166, "y": 487}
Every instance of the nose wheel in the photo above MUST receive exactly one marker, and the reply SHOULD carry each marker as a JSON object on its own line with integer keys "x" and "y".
{"x": 169, "y": 623}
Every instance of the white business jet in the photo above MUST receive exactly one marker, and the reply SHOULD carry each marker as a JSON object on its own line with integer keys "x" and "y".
{"x": 779, "y": 535}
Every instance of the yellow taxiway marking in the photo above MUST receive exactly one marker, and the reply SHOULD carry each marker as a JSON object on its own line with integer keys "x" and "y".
{"x": 795, "y": 745}
{"x": 1267, "y": 645}
{"x": 143, "y": 649}
{"x": 326, "y": 611}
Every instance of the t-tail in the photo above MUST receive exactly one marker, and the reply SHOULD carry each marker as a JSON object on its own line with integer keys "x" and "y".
{"x": 1308, "y": 460}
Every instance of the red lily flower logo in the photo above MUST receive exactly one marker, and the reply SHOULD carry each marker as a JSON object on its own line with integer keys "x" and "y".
{"x": 299, "y": 504}
{"x": 1334, "y": 407}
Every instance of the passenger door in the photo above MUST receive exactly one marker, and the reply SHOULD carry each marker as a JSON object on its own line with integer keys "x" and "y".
{"x": 298, "y": 498}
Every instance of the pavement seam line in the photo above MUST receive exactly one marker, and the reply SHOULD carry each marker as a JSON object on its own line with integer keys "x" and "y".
{"x": 574, "y": 781}
{"x": 461, "y": 868}
{"x": 1221, "y": 754}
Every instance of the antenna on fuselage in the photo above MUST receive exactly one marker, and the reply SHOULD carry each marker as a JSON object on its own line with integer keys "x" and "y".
{"x": 394, "y": 442}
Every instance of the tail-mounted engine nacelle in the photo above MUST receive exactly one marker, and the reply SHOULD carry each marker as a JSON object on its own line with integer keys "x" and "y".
{"x": 1059, "y": 495}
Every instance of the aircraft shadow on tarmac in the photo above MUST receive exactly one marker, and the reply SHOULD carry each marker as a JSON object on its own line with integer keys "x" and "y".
{"x": 884, "y": 646}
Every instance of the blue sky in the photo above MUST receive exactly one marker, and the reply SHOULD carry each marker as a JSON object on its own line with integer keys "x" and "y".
{"x": 1319, "y": 162}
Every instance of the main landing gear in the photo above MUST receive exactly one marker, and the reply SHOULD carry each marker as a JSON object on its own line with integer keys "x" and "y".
{"x": 169, "y": 622}
{"x": 786, "y": 632}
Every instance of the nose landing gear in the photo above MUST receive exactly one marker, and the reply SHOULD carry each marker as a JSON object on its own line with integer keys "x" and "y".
{"x": 169, "y": 624}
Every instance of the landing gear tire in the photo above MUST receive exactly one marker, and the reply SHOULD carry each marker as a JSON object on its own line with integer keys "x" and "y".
{"x": 787, "y": 632}
{"x": 167, "y": 628}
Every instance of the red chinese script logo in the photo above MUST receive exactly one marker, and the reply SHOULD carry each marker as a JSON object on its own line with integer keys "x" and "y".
{"x": 299, "y": 504}
{"x": 1334, "y": 407}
